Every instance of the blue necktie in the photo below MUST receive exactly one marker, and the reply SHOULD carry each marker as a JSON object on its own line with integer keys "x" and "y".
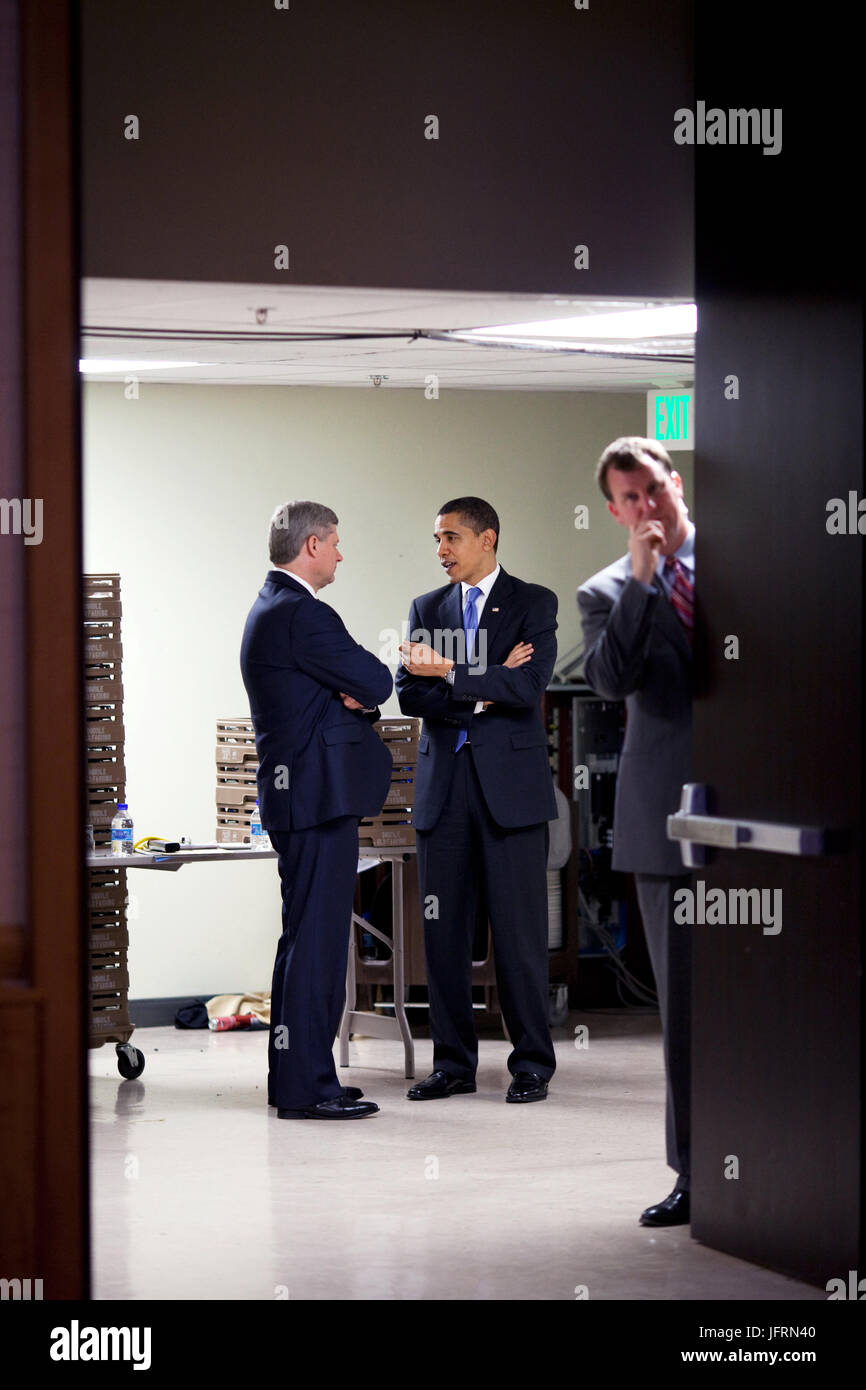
{"x": 470, "y": 627}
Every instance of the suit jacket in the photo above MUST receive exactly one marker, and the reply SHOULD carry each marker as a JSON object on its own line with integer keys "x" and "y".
{"x": 509, "y": 742}
{"x": 296, "y": 656}
{"x": 637, "y": 650}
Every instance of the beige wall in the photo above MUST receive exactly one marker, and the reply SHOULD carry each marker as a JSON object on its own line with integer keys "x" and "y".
{"x": 179, "y": 486}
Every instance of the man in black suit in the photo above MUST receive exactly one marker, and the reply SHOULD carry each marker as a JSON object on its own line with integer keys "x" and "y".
{"x": 637, "y": 623}
{"x": 313, "y": 694}
{"x": 480, "y": 653}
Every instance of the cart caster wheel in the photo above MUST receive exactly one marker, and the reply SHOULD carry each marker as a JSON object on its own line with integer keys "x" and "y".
{"x": 130, "y": 1062}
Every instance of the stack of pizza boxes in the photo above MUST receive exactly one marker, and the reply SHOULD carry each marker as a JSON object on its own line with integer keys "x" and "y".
{"x": 105, "y": 776}
{"x": 236, "y": 766}
{"x": 236, "y": 793}
{"x": 393, "y": 825}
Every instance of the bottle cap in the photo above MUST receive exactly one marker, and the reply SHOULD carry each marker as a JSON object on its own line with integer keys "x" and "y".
{"x": 122, "y": 806}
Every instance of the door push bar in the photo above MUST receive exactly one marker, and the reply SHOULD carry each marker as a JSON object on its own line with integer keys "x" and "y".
{"x": 696, "y": 830}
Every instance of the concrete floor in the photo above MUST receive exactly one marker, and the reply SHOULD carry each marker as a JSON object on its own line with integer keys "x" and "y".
{"x": 199, "y": 1191}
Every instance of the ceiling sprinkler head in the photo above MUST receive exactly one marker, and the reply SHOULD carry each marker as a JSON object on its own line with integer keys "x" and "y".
{"x": 261, "y": 315}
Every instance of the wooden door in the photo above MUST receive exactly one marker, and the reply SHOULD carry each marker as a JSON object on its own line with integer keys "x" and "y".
{"x": 43, "y": 1158}
{"x": 777, "y": 1006}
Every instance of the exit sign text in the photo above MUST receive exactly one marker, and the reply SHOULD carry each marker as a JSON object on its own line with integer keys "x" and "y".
{"x": 670, "y": 418}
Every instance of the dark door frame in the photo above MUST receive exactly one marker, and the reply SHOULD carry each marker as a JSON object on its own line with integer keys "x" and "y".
{"x": 43, "y": 1079}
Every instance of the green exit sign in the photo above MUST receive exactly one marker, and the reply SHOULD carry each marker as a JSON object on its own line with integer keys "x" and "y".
{"x": 670, "y": 418}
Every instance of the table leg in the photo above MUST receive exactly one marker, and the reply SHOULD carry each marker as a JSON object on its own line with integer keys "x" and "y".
{"x": 351, "y": 997}
{"x": 397, "y": 956}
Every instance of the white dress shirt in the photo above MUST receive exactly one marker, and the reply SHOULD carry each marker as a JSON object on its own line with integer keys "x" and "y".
{"x": 485, "y": 585}
{"x": 275, "y": 569}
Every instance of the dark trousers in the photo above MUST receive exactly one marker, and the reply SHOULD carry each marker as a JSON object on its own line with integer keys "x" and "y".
{"x": 670, "y": 949}
{"x": 317, "y": 875}
{"x": 467, "y": 853}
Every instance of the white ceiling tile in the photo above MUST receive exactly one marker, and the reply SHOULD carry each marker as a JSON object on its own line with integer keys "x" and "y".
{"x": 117, "y": 308}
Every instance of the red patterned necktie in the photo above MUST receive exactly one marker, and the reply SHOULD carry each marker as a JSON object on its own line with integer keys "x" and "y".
{"x": 682, "y": 594}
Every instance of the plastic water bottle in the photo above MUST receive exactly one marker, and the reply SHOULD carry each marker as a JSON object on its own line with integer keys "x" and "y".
{"x": 259, "y": 838}
{"x": 121, "y": 830}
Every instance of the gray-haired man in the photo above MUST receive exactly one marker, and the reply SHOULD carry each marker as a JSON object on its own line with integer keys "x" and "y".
{"x": 313, "y": 693}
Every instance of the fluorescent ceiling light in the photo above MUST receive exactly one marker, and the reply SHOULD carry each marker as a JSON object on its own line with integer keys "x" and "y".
{"x": 118, "y": 364}
{"x": 671, "y": 320}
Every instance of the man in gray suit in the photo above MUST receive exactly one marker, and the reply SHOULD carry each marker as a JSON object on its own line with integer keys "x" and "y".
{"x": 638, "y": 622}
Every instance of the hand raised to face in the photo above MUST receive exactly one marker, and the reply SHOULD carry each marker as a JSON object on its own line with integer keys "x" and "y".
{"x": 645, "y": 541}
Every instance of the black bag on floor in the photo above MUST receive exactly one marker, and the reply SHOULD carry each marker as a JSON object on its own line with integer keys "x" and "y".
{"x": 192, "y": 1015}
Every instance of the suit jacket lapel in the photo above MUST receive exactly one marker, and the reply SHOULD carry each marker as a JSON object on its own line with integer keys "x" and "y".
{"x": 494, "y": 611}
{"x": 667, "y": 617}
{"x": 286, "y": 581}
{"x": 671, "y": 621}
{"x": 450, "y": 617}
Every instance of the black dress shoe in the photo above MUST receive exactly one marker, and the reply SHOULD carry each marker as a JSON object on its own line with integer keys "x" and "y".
{"x": 353, "y": 1092}
{"x": 340, "y": 1108}
{"x": 673, "y": 1211}
{"x": 439, "y": 1084}
{"x": 526, "y": 1086}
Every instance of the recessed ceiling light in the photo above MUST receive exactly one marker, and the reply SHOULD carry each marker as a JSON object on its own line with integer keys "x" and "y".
{"x": 119, "y": 364}
{"x": 670, "y": 320}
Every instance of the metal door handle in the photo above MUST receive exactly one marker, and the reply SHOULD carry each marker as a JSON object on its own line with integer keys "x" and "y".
{"x": 695, "y": 830}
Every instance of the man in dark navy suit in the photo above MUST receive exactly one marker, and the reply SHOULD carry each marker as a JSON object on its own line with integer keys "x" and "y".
{"x": 313, "y": 694}
{"x": 480, "y": 653}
